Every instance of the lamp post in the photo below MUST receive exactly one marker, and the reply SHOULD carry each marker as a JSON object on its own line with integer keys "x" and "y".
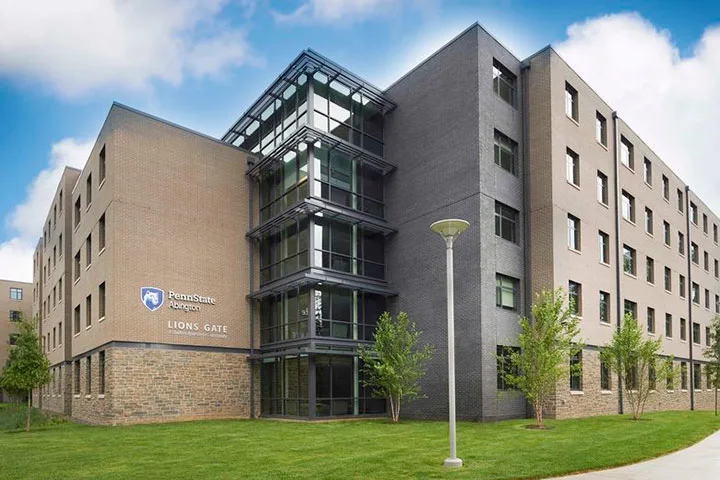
{"x": 449, "y": 230}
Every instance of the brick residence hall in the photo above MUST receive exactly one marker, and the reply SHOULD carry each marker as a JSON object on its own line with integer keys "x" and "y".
{"x": 182, "y": 277}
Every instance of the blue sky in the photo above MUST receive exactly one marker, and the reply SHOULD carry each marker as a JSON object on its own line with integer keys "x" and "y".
{"x": 56, "y": 85}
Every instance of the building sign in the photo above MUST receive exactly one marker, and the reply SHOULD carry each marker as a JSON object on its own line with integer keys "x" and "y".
{"x": 153, "y": 298}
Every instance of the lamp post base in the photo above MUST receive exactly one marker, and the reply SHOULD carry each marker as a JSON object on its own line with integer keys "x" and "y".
{"x": 453, "y": 462}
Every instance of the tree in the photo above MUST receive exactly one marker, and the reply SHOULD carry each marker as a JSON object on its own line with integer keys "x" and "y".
{"x": 546, "y": 345}
{"x": 395, "y": 365}
{"x": 637, "y": 362}
{"x": 27, "y": 367}
{"x": 713, "y": 355}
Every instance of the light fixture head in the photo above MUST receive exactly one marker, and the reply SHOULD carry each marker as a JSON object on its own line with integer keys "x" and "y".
{"x": 449, "y": 228}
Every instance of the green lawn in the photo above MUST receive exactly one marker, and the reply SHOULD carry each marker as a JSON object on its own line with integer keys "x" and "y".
{"x": 367, "y": 449}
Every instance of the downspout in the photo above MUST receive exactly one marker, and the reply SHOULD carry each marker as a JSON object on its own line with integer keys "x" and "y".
{"x": 618, "y": 256}
{"x": 691, "y": 339}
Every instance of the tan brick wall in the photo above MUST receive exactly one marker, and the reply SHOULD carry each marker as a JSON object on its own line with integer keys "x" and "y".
{"x": 152, "y": 385}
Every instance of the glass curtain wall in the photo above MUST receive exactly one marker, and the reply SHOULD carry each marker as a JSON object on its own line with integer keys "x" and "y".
{"x": 284, "y": 252}
{"x": 284, "y": 317}
{"x": 347, "y": 314}
{"x": 350, "y": 116}
{"x": 286, "y": 185}
{"x": 348, "y": 182}
{"x": 338, "y": 386}
{"x": 347, "y": 248}
{"x": 278, "y": 121}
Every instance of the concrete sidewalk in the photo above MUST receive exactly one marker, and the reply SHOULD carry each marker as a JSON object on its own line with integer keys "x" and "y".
{"x": 699, "y": 462}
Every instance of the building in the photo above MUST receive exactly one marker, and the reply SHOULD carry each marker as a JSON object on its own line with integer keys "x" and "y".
{"x": 209, "y": 278}
{"x": 15, "y": 303}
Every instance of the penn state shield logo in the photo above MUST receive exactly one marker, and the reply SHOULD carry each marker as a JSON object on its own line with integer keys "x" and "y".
{"x": 152, "y": 297}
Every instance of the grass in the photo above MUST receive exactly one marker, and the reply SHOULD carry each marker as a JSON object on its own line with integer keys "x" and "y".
{"x": 366, "y": 449}
{"x": 12, "y": 417}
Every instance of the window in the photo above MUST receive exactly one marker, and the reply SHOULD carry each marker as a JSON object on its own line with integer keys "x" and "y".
{"x": 706, "y": 261}
{"x": 705, "y": 223}
{"x": 650, "y": 270}
{"x": 683, "y": 375}
{"x": 683, "y": 329}
{"x": 626, "y": 153}
{"x": 647, "y": 171}
{"x": 652, "y": 377}
{"x": 694, "y": 253}
{"x": 60, "y": 333}
{"x": 88, "y": 311}
{"x": 575, "y": 297}
{"x": 628, "y": 206}
{"x": 602, "y": 188}
{"x": 60, "y": 201}
{"x": 88, "y": 251}
{"x": 604, "y": 376}
{"x": 60, "y": 246}
{"x": 707, "y": 298}
{"x": 715, "y": 233}
{"x": 77, "y": 212}
{"x": 681, "y": 285}
{"x": 666, "y": 233}
{"x": 648, "y": 221}
{"x": 666, "y": 188}
{"x": 630, "y": 308}
{"x": 681, "y": 243}
{"x": 506, "y": 222}
{"x": 574, "y": 233}
{"x": 716, "y": 268}
{"x": 707, "y": 336}
{"x": 101, "y": 373}
{"x": 88, "y": 374}
{"x": 76, "y": 320}
{"x": 60, "y": 289}
{"x": 16, "y": 293}
{"x": 101, "y": 165}
{"x": 101, "y": 233}
{"x": 507, "y": 292}
{"x": 600, "y": 129}
{"x": 88, "y": 190}
{"x": 697, "y": 376}
{"x": 696, "y": 333}
{"x": 12, "y": 340}
{"x": 101, "y": 301}
{"x": 695, "y": 293}
{"x": 680, "y": 201}
{"x": 629, "y": 260}
{"x": 668, "y": 325}
{"x": 505, "y": 152}
{"x": 504, "y": 82}
{"x": 77, "y": 265}
{"x": 651, "y": 320}
{"x": 604, "y": 307}
{"x": 15, "y": 316}
{"x": 571, "y": 102}
{"x": 670, "y": 380}
{"x": 603, "y": 247}
{"x": 717, "y": 303}
{"x": 572, "y": 161}
{"x": 576, "y": 372}
{"x": 504, "y": 366}
{"x": 54, "y": 338}
{"x": 76, "y": 377}
{"x": 693, "y": 213}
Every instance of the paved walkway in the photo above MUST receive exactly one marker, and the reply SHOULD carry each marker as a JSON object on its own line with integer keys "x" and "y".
{"x": 699, "y": 462}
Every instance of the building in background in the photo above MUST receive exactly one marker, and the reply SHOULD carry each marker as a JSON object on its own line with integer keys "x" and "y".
{"x": 210, "y": 278}
{"x": 15, "y": 303}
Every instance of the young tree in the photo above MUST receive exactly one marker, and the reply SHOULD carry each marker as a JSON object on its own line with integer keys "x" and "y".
{"x": 546, "y": 345}
{"x": 396, "y": 363}
{"x": 27, "y": 367}
{"x": 637, "y": 362}
{"x": 713, "y": 355}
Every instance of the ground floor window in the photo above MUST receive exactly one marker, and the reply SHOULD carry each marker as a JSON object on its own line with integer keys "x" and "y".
{"x": 337, "y": 387}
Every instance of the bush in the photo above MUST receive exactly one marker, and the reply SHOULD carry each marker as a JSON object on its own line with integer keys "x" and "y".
{"x": 13, "y": 417}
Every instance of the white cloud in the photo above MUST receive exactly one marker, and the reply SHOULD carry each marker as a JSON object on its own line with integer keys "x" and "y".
{"x": 85, "y": 45}
{"x": 341, "y": 11}
{"x": 27, "y": 218}
{"x": 670, "y": 100}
